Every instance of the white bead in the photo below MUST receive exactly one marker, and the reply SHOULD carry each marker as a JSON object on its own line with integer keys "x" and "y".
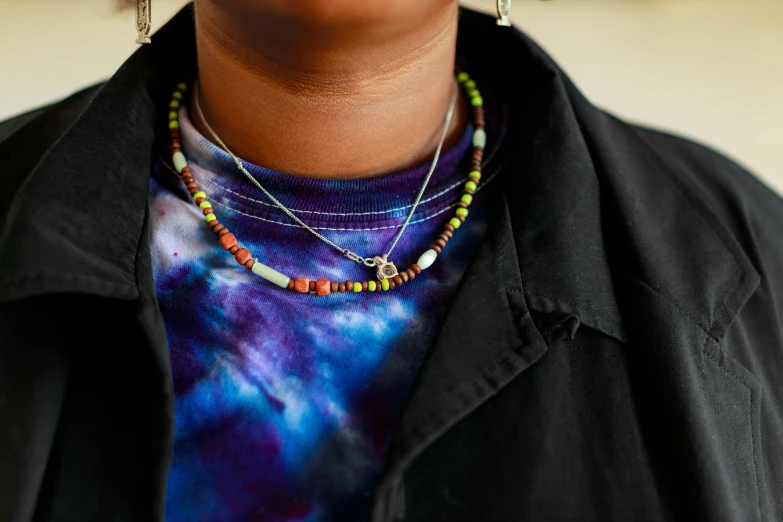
{"x": 479, "y": 138}
{"x": 179, "y": 161}
{"x": 270, "y": 274}
{"x": 426, "y": 259}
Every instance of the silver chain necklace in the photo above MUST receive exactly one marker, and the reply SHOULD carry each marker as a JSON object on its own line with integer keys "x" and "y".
{"x": 386, "y": 269}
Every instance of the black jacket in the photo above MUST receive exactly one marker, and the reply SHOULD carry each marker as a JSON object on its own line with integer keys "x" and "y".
{"x": 614, "y": 351}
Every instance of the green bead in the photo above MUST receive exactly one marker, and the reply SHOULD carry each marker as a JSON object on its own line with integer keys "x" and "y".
{"x": 472, "y": 93}
{"x": 470, "y": 185}
{"x": 177, "y": 95}
{"x": 463, "y": 77}
{"x": 454, "y": 222}
{"x": 174, "y": 124}
{"x": 462, "y": 212}
{"x": 385, "y": 284}
{"x": 205, "y": 204}
{"x": 199, "y": 194}
{"x": 477, "y": 101}
{"x": 475, "y": 175}
{"x": 470, "y": 84}
{"x": 179, "y": 161}
{"x": 467, "y": 199}
{"x": 173, "y": 115}
{"x": 371, "y": 286}
{"x": 210, "y": 217}
{"x": 270, "y": 274}
{"x": 174, "y": 104}
{"x": 479, "y": 138}
{"x": 357, "y": 287}
{"x": 182, "y": 86}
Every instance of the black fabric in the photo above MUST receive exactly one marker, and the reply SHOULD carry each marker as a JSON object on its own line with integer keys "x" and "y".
{"x": 614, "y": 351}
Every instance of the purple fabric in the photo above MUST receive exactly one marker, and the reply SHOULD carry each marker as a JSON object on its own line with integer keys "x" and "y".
{"x": 285, "y": 403}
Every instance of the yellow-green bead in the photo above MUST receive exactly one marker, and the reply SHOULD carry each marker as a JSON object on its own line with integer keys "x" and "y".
{"x": 357, "y": 287}
{"x": 173, "y": 115}
{"x": 205, "y": 204}
{"x": 371, "y": 286}
{"x": 182, "y": 86}
{"x": 470, "y": 84}
{"x": 470, "y": 185}
{"x": 177, "y": 95}
{"x": 454, "y": 222}
{"x": 463, "y": 77}
{"x": 477, "y": 101}
{"x": 199, "y": 194}
{"x": 475, "y": 175}
{"x": 385, "y": 284}
{"x": 174, "y": 104}
{"x": 467, "y": 199}
{"x": 210, "y": 217}
{"x": 472, "y": 93}
{"x": 174, "y": 124}
{"x": 462, "y": 212}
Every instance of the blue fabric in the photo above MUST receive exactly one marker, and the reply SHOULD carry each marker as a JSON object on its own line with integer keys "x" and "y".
{"x": 286, "y": 403}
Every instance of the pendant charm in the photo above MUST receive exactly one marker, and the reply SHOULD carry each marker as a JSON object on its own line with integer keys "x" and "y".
{"x": 386, "y": 269}
{"x": 504, "y": 7}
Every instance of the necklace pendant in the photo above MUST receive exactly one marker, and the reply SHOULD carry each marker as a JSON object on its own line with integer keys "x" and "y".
{"x": 386, "y": 269}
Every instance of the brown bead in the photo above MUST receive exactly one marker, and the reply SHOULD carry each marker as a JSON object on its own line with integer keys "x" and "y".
{"x": 364, "y": 286}
{"x": 187, "y": 180}
{"x": 444, "y": 237}
{"x": 312, "y": 286}
{"x": 192, "y": 185}
{"x": 448, "y": 233}
{"x": 186, "y": 170}
{"x": 217, "y": 228}
{"x": 323, "y": 287}
{"x": 468, "y": 191}
{"x": 249, "y": 263}
{"x": 378, "y": 287}
{"x": 462, "y": 204}
{"x": 291, "y": 284}
{"x": 404, "y": 276}
{"x": 449, "y": 227}
{"x": 349, "y": 285}
{"x": 392, "y": 284}
{"x": 242, "y": 255}
{"x": 233, "y": 250}
{"x": 223, "y": 232}
{"x": 193, "y": 190}
{"x": 441, "y": 243}
{"x": 212, "y": 224}
{"x": 341, "y": 288}
{"x": 208, "y": 211}
{"x": 411, "y": 274}
{"x": 334, "y": 286}
{"x": 436, "y": 248}
{"x": 416, "y": 268}
{"x": 461, "y": 218}
{"x": 397, "y": 280}
{"x": 228, "y": 240}
{"x": 302, "y": 285}
{"x": 199, "y": 200}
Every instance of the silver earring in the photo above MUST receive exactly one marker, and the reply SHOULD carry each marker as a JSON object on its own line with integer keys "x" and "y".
{"x": 504, "y": 7}
{"x": 143, "y": 21}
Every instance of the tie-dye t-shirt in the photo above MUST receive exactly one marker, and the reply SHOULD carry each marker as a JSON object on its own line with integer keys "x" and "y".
{"x": 286, "y": 402}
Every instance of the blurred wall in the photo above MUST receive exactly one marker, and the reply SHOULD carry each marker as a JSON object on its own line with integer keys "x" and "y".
{"x": 709, "y": 69}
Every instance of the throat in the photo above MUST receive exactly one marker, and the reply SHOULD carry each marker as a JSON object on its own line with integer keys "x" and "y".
{"x": 330, "y": 105}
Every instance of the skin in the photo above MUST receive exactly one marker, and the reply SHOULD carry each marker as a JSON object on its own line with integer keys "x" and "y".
{"x": 328, "y": 88}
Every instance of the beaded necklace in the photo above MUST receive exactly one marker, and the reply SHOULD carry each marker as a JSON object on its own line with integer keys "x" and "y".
{"x": 323, "y": 286}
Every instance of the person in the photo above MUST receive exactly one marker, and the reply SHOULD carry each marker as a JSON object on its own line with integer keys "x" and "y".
{"x": 336, "y": 260}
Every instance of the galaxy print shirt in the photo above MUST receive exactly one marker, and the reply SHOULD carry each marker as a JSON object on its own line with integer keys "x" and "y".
{"x": 286, "y": 402}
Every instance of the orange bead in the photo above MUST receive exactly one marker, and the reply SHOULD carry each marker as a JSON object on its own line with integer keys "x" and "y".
{"x": 242, "y": 256}
{"x": 302, "y": 285}
{"x": 323, "y": 287}
{"x": 228, "y": 240}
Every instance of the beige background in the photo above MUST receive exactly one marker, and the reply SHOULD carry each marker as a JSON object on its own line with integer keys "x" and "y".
{"x": 709, "y": 69}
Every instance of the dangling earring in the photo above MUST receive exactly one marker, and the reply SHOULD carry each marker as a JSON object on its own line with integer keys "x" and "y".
{"x": 504, "y": 7}
{"x": 143, "y": 21}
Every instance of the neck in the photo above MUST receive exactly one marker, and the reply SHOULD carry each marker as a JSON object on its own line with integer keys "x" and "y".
{"x": 316, "y": 101}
